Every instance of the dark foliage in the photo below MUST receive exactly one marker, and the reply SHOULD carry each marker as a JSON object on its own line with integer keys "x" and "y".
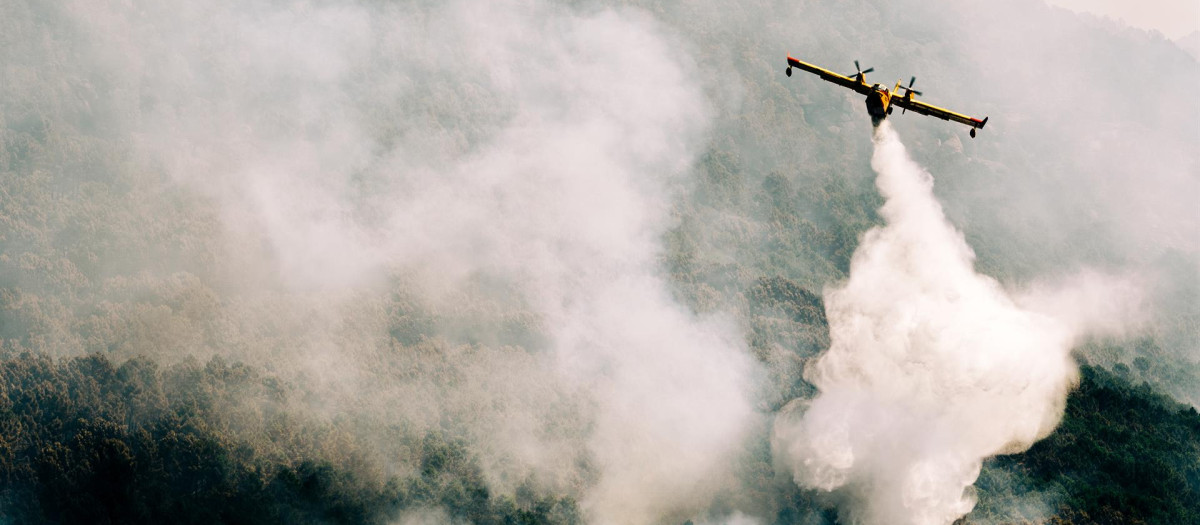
{"x": 1123, "y": 454}
{"x": 84, "y": 441}
{"x": 801, "y": 305}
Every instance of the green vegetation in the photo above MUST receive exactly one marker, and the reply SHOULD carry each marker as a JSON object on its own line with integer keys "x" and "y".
{"x": 84, "y": 441}
{"x": 1122, "y": 455}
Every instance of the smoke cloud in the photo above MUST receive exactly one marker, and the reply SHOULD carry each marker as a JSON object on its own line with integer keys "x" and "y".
{"x": 529, "y": 147}
{"x": 932, "y": 367}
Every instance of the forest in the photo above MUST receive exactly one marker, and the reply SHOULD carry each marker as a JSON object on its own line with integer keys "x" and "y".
{"x": 90, "y": 442}
{"x": 409, "y": 263}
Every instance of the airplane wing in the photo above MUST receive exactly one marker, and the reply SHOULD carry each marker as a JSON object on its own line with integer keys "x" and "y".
{"x": 934, "y": 111}
{"x": 826, "y": 74}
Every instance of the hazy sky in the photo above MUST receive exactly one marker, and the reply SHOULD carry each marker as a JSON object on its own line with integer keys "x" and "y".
{"x": 1174, "y": 18}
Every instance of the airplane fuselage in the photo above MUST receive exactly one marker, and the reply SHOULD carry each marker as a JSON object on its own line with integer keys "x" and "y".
{"x": 878, "y": 102}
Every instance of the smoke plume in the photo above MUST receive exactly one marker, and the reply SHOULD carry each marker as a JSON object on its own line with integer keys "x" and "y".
{"x": 932, "y": 367}
{"x": 531, "y": 147}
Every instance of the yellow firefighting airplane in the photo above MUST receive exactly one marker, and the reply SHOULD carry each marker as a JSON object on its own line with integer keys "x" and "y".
{"x": 880, "y": 100}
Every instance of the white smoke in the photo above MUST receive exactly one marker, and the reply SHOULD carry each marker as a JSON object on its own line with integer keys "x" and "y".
{"x": 522, "y": 142}
{"x": 737, "y": 518}
{"x": 932, "y": 367}
{"x": 426, "y": 516}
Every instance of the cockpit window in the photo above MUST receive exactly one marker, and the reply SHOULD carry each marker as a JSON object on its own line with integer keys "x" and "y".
{"x": 879, "y": 87}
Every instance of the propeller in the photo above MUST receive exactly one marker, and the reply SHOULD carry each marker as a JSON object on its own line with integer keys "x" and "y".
{"x": 910, "y": 90}
{"x": 910, "y": 85}
{"x": 860, "y": 71}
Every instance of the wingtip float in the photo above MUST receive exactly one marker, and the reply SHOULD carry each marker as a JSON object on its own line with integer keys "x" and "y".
{"x": 880, "y": 100}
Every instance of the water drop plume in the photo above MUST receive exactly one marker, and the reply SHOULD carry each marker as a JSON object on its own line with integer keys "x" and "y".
{"x": 932, "y": 367}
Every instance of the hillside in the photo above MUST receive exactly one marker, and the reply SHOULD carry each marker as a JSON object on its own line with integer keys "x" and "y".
{"x": 367, "y": 262}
